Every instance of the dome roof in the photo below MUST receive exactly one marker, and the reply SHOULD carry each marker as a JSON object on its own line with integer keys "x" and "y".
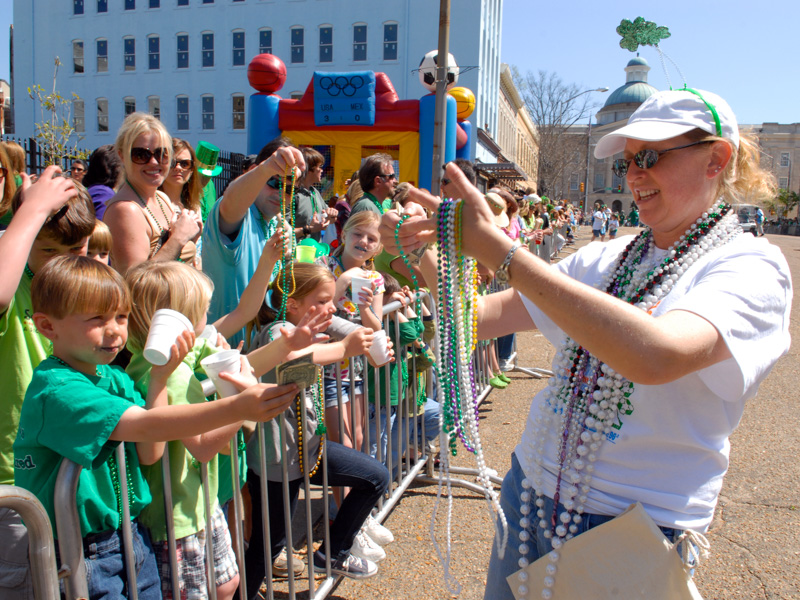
{"x": 638, "y": 60}
{"x": 634, "y": 92}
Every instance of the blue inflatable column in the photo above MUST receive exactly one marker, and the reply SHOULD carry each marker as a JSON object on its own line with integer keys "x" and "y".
{"x": 263, "y": 126}
{"x": 427, "y": 114}
{"x": 463, "y": 152}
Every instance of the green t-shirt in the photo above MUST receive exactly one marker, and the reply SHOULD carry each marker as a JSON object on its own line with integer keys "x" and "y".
{"x": 188, "y": 510}
{"x": 67, "y": 414}
{"x": 409, "y": 331}
{"x": 371, "y": 203}
{"x": 22, "y": 348}
{"x": 208, "y": 200}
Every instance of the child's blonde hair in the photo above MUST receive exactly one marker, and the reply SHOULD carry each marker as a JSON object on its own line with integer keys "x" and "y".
{"x": 70, "y": 284}
{"x": 360, "y": 219}
{"x": 307, "y": 277}
{"x": 165, "y": 284}
{"x": 100, "y": 240}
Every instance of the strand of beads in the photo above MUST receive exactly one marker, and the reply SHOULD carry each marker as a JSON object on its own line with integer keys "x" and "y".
{"x": 407, "y": 263}
{"x": 585, "y": 401}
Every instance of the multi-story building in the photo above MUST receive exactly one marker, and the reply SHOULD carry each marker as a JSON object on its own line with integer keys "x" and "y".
{"x": 186, "y": 60}
{"x": 780, "y": 152}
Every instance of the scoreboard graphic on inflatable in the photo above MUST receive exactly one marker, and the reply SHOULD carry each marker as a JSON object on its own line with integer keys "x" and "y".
{"x": 344, "y": 98}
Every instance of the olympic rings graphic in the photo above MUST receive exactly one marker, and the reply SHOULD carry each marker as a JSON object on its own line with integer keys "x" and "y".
{"x": 346, "y": 86}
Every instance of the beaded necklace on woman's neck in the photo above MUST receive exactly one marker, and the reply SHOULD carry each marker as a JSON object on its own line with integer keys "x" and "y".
{"x": 143, "y": 202}
{"x": 586, "y": 401}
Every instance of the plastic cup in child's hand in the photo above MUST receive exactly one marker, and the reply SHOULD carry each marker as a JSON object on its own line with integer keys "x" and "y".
{"x": 165, "y": 328}
{"x": 357, "y": 284}
{"x": 305, "y": 254}
{"x": 210, "y": 334}
{"x": 379, "y": 351}
{"x": 227, "y": 361}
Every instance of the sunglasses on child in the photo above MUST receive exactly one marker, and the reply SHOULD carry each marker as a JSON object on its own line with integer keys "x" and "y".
{"x": 142, "y": 156}
{"x": 647, "y": 158}
{"x": 183, "y": 164}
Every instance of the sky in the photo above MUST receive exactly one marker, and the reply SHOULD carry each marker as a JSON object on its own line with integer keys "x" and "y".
{"x": 744, "y": 51}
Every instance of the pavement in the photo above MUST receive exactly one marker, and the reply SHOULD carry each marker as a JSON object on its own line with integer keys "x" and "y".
{"x": 755, "y": 537}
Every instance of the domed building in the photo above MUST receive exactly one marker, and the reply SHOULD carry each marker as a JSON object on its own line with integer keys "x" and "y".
{"x": 603, "y": 186}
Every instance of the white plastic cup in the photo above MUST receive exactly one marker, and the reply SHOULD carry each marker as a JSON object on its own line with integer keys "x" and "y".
{"x": 356, "y": 285}
{"x": 165, "y": 328}
{"x": 210, "y": 334}
{"x": 379, "y": 351}
{"x": 227, "y": 361}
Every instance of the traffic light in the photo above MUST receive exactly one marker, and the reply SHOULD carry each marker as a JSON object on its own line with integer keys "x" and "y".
{"x": 583, "y": 187}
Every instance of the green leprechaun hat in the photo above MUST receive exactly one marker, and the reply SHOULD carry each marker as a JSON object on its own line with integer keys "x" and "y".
{"x": 207, "y": 155}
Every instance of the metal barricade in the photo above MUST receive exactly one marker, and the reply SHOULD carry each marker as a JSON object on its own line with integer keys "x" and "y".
{"x": 40, "y": 539}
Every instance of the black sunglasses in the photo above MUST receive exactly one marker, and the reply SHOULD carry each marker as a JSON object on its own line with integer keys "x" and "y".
{"x": 646, "y": 159}
{"x": 275, "y": 182}
{"x": 142, "y": 156}
{"x": 183, "y": 164}
{"x": 388, "y": 177}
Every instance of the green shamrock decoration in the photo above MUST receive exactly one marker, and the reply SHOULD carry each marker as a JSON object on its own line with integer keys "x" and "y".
{"x": 640, "y": 33}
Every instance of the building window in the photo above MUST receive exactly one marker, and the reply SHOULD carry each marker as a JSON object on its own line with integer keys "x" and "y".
{"x": 154, "y": 106}
{"x": 102, "y": 56}
{"x": 238, "y": 48}
{"x": 238, "y": 111}
{"x": 130, "y": 105}
{"x": 208, "y": 49}
{"x": 359, "y": 42}
{"x": 78, "y": 115}
{"x": 325, "y": 44}
{"x": 77, "y": 56}
{"x": 183, "y": 2}
{"x": 297, "y": 45}
{"x": 155, "y": 3}
{"x": 599, "y": 182}
{"x": 183, "y": 51}
{"x": 77, "y": 7}
{"x": 154, "y": 52}
{"x": 783, "y": 183}
{"x": 296, "y": 95}
{"x": 390, "y": 41}
{"x": 130, "y": 4}
{"x": 183, "y": 113}
{"x": 129, "y": 50}
{"x": 617, "y": 184}
{"x": 784, "y": 159}
{"x": 573, "y": 183}
{"x": 102, "y": 114}
{"x": 208, "y": 1}
{"x": 208, "y": 112}
{"x": 265, "y": 41}
{"x": 102, "y": 6}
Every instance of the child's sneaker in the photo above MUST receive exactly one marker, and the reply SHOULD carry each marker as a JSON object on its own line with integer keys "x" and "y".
{"x": 379, "y": 534}
{"x": 365, "y": 547}
{"x": 280, "y": 566}
{"x": 352, "y": 566}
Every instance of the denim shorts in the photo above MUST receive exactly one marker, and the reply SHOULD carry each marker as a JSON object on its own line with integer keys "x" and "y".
{"x": 105, "y": 565}
{"x": 331, "y": 385}
{"x": 597, "y": 232}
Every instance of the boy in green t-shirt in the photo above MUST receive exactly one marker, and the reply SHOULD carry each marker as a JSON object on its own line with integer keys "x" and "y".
{"x": 76, "y": 386}
{"x": 50, "y": 218}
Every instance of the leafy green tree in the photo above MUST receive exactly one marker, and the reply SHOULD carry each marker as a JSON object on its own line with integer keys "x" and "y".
{"x": 783, "y": 203}
{"x": 55, "y": 132}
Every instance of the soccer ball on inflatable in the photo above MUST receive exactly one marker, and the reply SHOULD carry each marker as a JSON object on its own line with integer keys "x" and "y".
{"x": 427, "y": 70}
{"x": 266, "y": 73}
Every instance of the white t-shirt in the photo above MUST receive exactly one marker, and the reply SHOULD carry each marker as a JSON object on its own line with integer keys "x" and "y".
{"x": 672, "y": 451}
{"x": 599, "y": 219}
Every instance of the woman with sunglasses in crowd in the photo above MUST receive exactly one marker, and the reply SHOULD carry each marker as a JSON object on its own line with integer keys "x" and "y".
{"x": 144, "y": 223}
{"x": 660, "y": 338}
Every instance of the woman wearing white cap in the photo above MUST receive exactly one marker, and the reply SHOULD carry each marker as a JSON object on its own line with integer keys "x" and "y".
{"x": 660, "y": 338}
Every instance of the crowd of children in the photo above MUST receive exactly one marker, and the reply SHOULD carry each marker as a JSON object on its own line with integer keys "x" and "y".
{"x": 76, "y": 382}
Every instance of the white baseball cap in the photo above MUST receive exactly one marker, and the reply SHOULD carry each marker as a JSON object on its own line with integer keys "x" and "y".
{"x": 533, "y": 198}
{"x": 666, "y": 115}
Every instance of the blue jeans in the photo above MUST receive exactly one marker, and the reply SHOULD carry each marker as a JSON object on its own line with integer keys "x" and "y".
{"x": 367, "y": 479}
{"x": 430, "y": 417}
{"x": 505, "y": 346}
{"x": 105, "y": 565}
{"x": 497, "y": 587}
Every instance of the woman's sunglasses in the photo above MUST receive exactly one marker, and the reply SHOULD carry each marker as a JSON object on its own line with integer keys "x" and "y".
{"x": 142, "y": 156}
{"x": 183, "y": 164}
{"x": 646, "y": 159}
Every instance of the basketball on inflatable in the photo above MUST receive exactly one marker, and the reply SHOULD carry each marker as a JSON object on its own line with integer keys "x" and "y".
{"x": 465, "y": 101}
{"x": 266, "y": 73}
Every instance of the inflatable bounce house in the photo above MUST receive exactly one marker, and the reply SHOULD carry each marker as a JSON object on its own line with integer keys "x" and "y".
{"x": 349, "y": 116}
